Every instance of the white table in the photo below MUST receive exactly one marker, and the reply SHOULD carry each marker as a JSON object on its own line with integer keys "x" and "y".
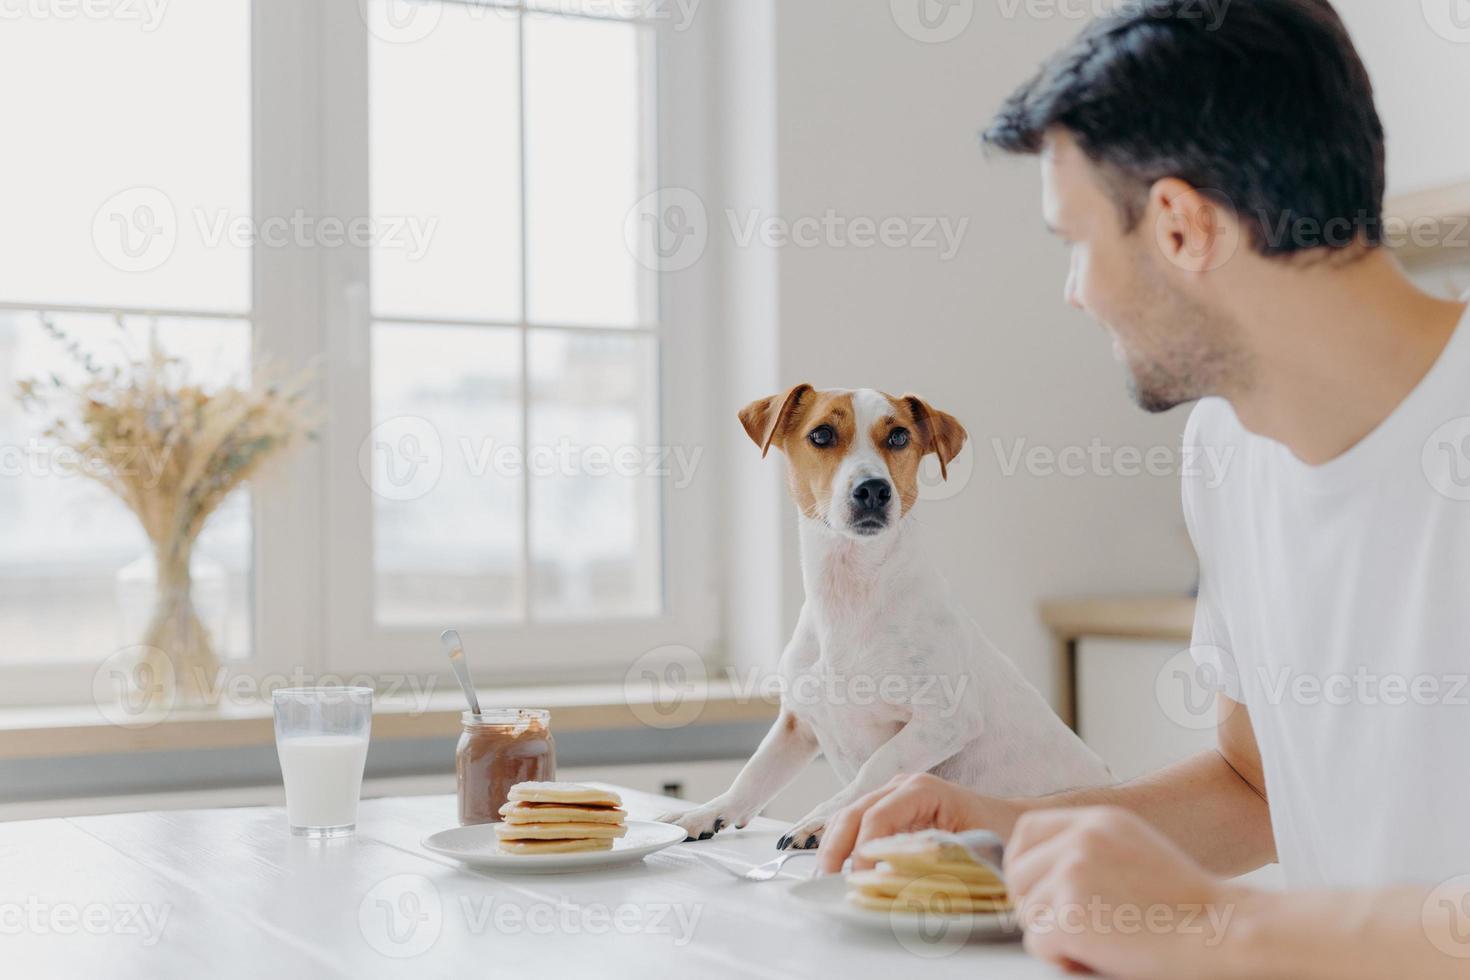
{"x": 224, "y": 893}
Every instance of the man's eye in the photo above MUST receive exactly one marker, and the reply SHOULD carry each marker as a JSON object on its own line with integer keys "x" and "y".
{"x": 898, "y": 438}
{"x": 822, "y": 435}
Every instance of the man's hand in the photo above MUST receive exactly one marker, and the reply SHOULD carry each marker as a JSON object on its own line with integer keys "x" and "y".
{"x": 1099, "y": 888}
{"x": 911, "y": 803}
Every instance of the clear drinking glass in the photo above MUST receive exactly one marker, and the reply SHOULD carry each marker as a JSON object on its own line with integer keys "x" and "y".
{"x": 322, "y": 741}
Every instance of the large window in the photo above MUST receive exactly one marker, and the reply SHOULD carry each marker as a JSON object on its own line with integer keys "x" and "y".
{"x": 434, "y": 203}
{"x": 112, "y": 168}
{"x": 514, "y": 337}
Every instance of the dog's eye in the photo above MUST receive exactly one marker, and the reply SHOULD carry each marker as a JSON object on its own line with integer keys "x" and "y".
{"x": 822, "y": 435}
{"x": 898, "y": 438}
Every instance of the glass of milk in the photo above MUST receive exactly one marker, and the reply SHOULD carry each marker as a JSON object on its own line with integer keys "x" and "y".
{"x": 322, "y": 741}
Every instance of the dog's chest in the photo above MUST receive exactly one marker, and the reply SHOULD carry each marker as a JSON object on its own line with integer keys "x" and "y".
{"x": 855, "y": 696}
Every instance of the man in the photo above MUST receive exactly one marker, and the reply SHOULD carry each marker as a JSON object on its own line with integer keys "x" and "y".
{"x": 1216, "y": 169}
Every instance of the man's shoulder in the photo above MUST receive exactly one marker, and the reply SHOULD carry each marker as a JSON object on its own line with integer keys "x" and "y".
{"x": 1214, "y": 450}
{"x": 1212, "y": 422}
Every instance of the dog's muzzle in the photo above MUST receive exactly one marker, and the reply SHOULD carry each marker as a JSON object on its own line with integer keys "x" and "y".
{"x": 869, "y": 505}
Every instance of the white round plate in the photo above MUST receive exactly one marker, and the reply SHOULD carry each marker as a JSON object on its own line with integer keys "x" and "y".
{"x": 475, "y": 845}
{"x": 828, "y": 895}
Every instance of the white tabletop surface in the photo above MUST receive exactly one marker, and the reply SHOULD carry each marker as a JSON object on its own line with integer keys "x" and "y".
{"x": 225, "y": 893}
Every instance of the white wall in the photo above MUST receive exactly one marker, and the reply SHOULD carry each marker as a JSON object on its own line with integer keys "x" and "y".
{"x": 1421, "y": 73}
{"x": 870, "y": 122}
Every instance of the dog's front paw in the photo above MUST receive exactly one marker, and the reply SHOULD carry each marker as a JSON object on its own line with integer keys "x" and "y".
{"x": 703, "y": 822}
{"x": 806, "y": 835}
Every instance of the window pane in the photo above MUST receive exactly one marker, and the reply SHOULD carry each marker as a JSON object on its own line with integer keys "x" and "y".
{"x": 595, "y": 483}
{"x": 586, "y": 130}
{"x": 445, "y": 167}
{"x": 64, "y": 539}
{"x": 442, "y": 461}
{"x": 127, "y": 169}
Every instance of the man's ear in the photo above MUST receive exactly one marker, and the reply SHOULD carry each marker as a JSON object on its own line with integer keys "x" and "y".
{"x": 766, "y": 419}
{"x": 1193, "y": 230}
{"x": 939, "y": 432}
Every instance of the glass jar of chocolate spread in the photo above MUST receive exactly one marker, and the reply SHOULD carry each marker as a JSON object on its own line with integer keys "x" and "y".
{"x": 497, "y": 749}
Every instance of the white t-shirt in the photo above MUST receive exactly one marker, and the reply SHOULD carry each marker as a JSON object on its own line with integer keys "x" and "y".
{"x": 1335, "y": 604}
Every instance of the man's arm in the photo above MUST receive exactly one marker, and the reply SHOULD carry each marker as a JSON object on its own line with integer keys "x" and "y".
{"x": 1212, "y": 805}
{"x": 1100, "y": 889}
{"x": 1405, "y": 932}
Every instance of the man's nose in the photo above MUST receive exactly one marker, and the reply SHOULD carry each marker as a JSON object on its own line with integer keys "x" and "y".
{"x": 1069, "y": 290}
{"x": 872, "y": 494}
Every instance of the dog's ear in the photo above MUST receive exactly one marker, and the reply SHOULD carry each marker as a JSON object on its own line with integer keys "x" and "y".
{"x": 939, "y": 432}
{"x": 766, "y": 419}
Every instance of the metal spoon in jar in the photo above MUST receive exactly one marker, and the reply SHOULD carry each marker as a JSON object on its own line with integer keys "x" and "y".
{"x": 452, "y": 646}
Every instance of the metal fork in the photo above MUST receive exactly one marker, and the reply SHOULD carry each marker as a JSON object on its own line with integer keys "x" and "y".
{"x": 761, "y": 872}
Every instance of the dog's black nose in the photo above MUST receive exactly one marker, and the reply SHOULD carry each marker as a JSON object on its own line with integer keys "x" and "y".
{"x": 872, "y": 495}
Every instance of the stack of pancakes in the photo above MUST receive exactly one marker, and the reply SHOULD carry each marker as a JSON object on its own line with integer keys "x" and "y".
{"x": 554, "y": 818}
{"x": 925, "y": 872}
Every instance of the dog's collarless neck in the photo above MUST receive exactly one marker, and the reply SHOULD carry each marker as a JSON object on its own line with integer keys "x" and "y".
{"x": 837, "y": 566}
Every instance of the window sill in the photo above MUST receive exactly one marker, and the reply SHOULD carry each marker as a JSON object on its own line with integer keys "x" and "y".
{"x": 30, "y": 733}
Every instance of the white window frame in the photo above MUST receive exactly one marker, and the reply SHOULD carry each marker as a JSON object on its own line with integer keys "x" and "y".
{"x": 312, "y": 582}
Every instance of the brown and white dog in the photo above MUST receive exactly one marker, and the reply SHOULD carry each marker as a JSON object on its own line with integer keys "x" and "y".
{"x": 885, "y": 673}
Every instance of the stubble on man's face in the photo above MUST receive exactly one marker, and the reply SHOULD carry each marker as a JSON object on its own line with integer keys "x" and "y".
{"x": 1176, "y": 348}
{"x": 1176, "y": 345}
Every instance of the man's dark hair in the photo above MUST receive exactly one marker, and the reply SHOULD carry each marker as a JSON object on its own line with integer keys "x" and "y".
{"x": 1264, "y": 105}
